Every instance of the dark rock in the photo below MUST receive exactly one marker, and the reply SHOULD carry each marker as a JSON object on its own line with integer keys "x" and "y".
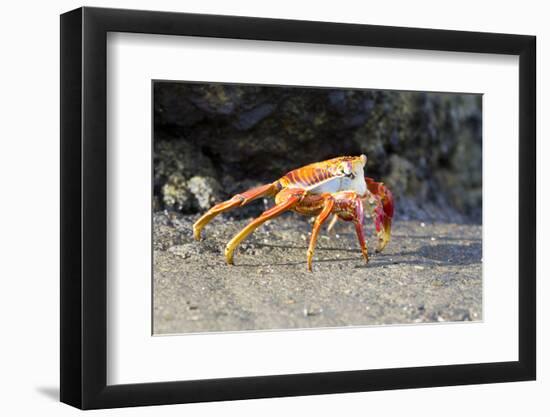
{"x": 425, "y": 146}
{"x": 252, "y": 117}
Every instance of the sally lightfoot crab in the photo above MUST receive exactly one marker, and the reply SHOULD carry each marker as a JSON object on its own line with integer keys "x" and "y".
{"x": 336, "y": 186}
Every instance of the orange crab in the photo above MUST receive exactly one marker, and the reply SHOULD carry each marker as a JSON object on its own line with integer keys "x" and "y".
{"x": 336, "y": 186}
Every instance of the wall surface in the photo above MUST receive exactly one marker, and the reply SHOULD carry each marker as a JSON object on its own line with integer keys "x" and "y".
{"x": 29, "y": 216}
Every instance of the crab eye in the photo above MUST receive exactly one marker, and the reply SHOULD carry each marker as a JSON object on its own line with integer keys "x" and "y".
{"x": 346, "y": 170}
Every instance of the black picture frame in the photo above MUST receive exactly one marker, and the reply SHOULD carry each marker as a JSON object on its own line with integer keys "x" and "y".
{"x": 84, "y": 207}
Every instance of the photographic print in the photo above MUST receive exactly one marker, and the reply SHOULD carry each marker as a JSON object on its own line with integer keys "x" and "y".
{"x": 285, "y": 207}
{"x": 349, "y": 191}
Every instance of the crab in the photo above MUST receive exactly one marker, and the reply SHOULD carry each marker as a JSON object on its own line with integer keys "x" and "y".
{"x": 335, "y": 187}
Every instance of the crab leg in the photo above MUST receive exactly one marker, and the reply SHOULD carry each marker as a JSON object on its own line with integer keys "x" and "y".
{"x": 332, "y": 223}
{"x": 349, "y": 207}
{"x": 358, "y": 222}
{"x": 321, "y": 218}
{"x": 238, "y": 200}
{"x": 382, "y": 212}
{"x": 293, "y": 199}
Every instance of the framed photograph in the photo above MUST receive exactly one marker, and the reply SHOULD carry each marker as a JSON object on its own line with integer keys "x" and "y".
{"x": 259, "y": 208}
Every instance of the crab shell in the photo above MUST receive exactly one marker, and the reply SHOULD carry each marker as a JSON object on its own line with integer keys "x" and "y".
{"x": 345, "y": 173}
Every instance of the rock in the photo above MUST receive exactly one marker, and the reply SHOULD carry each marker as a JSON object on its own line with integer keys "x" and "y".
{"x": 206, "y": 191}
{"x": 313, "y": 311}
{"x": 179, "y": 156}
{"x": 175, "y": 194}
{"x": 426, "y": 146}
{"x": 401, "y": 175}
{"x": 249, "y": 119}
{"x": 197, "y": 194}
{"x": 183, "y": 251}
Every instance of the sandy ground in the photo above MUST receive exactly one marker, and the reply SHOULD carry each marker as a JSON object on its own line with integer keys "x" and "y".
{"x": 428, "y": 273}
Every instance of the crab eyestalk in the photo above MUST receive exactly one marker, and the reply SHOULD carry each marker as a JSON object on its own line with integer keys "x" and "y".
{"x": 382, "y": 212}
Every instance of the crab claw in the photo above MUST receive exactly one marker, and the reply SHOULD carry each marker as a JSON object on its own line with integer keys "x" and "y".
{"x": 382, "y": 211}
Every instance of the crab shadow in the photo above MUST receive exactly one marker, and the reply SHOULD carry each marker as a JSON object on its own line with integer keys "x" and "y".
{"x": 435, "y": 255}
{"x": 453, "y": 254}
{"x": 444, "y": 254}
{"x": 441, "y": 238}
